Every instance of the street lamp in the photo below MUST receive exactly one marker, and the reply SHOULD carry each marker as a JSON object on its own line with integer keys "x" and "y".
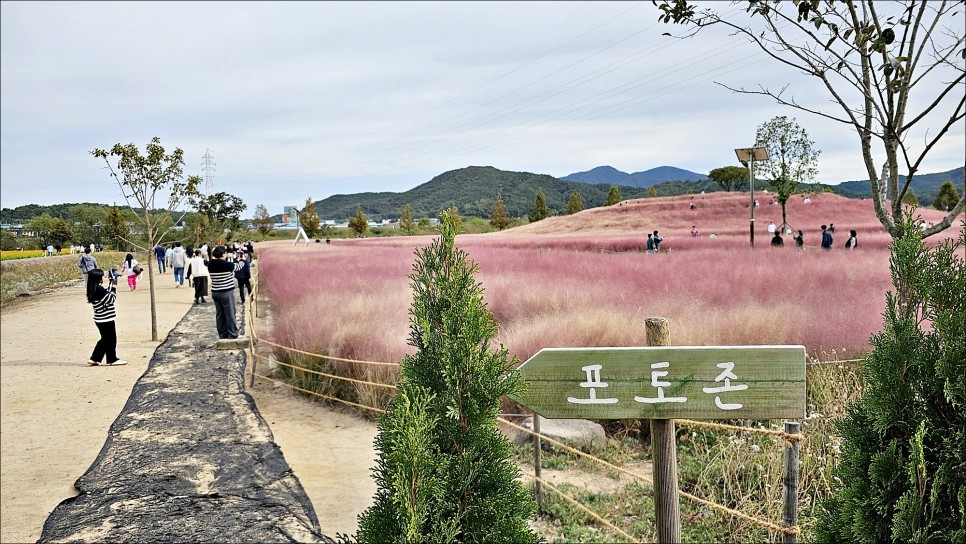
{"x": 97, "y": 234}
{"x": 748, "y": 156}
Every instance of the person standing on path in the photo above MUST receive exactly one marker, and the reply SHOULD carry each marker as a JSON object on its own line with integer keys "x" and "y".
{"x": 222, "y": 273}
{"x": 159, "y": 254}
{"x": 244, "y": 274}
{"x": 86, "y": 263}
{"x": 104, "y": 314}
{"x": 198, "y": 267}
{"x": 178, "y": 261}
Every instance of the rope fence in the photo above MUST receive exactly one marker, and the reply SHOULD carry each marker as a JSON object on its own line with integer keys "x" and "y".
{"x": 792, "y": 530}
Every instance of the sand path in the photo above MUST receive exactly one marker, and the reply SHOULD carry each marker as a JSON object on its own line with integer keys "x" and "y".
{"x": 55, "y": 410}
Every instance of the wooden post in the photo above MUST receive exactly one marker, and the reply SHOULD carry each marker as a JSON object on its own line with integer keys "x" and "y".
{"x": 667, "y": 507}
{"x": 790, "y": 492}
{"x": 537, "y": 449}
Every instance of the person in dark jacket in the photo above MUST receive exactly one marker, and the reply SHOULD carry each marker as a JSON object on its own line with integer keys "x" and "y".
{"x": 826, "y": 239}
{"x": 800, "y": 240}
{"x": 244, "y": 274}
{"x": 852, "y": 241}
{"x": 222, "y": 274}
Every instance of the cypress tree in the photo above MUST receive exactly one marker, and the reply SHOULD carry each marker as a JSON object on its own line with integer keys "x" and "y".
{"x": 576, "y": 203}
{"x": 539, "y": 210}
{"x": 613, "y": 195}
{"x": 902, "y": 472}
{"x": 499, "y": 219}
{"x": 444, "y": 472}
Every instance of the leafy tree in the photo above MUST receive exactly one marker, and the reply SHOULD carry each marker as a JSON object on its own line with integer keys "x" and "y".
{"x": 896, "y": 77}
{"x": 652, "y": 192}
{"x": 41, "y": 227}
{"x": 614, "y": 195}
{"x": 910, "y": 199}
{"x": 791, "y": 158}
{"x": 359, "y": 223}
{"x": 948, "y": 196}
{"x": 499, "y": 218}
{"x": 730, "y": 178}
{"x": 7, "y": 241}
{"x": 575, "y": 204}
{"x": 262, "y": 221}
{"x": 444, "y": 472}
{"x": 423, "y": 223}
{"x": 900, "y": 477}
{"x": 85, "y": 216}
{"x": 309, "y": 219}
{"x": 222, "y": 210}
{"x": 60, "y": 232}
{"x": 406, "y": 221}
{"x": 117, "y": 228}
{"x": 141, "y": 178}
{"x": 539, "y": 210}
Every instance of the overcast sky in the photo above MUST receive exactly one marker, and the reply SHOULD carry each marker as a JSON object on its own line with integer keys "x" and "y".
{"x": 311, "y": 99}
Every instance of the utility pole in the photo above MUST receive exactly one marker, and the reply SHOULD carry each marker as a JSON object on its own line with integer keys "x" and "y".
{"x": 209, "y": 167}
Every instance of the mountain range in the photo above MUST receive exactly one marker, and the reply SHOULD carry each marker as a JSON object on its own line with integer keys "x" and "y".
{"x": 645, "y": 179}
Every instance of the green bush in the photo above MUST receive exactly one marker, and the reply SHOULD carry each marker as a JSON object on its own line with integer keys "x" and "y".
{"x": 902, "y": 475}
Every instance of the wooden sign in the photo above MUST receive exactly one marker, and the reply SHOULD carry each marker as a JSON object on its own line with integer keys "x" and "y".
{"x": 695, "y": 382}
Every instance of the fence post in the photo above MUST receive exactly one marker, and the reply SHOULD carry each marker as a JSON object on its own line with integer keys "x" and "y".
{"x": 537, "y": 448}
{"x": 790, "y": 492}
{"x": 667, "y": 507}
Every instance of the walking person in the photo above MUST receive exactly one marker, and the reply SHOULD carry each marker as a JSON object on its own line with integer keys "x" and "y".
{"x": 244, "y": 274}
{"x": 104, "y": 314}
{"x": 159, "y": 254}
{"x": 657, "y": 242}
{"x": 178, "y": 261}
{"x": 650, "y": 243}
{"x": 222, "y": 273}
{"x": 826, "y": 239}
{"x": 198, "y": 267}
{"x": 86, "y": 263}
{"x": 131, "y": 270}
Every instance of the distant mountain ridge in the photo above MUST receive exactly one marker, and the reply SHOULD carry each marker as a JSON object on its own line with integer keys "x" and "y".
{"x": 926, "y": 186}
{"x": 645, "y": 179}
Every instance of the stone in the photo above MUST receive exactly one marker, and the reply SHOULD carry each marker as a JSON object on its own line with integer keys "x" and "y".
{"x": 582, "y": 434}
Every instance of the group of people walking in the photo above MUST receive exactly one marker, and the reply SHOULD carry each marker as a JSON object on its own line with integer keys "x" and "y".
{"x": 827, "y": 238}
{"x": 225, "y": 267}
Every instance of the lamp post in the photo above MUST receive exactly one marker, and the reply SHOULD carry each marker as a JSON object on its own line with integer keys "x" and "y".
{"x": 97, "y": 234}
{"x": 748, "y": 156}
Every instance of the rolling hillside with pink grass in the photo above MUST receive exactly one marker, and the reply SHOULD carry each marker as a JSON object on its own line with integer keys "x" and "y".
{"x": 584, "y": 280}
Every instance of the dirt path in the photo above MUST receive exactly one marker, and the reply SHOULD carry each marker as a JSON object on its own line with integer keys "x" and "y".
{"x": 55, "y": 410}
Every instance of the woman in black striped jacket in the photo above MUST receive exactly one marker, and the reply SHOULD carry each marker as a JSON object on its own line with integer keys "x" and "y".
{"x": 103, "y": 301}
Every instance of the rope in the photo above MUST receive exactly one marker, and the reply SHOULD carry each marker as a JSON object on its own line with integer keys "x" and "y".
{"x": 809, "y": 363}
{"x": 726, "y": 427}
{"x": 319, "y": 355}
{"x": 316, "y": 372}
{"x": 317, "y": 394}
{"x": 584, "y": 509}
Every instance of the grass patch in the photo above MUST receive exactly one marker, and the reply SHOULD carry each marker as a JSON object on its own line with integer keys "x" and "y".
{"x": 23, "y": 276}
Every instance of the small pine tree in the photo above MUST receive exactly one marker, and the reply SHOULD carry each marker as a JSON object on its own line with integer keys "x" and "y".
{"x": 947, "y": 198}
{"x": 499, "y": 219}
{"x": 910, "y": 199}
{"x": 406, "y": 221}
{"x": 614, "y": 195}
{"x": 652, "y": 192}
{"x": 359, "y": 223}
{"x": 309, "y": 219}
{"x": 576, "y": 203}
{"x": 901, "y": 475}
{"x": 117, "y": 228}
{"x": 444, "y": 472}
{"x": 539, "y": 210}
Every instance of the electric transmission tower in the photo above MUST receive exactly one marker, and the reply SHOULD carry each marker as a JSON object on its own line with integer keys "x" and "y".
{"x": 209, "y": 167}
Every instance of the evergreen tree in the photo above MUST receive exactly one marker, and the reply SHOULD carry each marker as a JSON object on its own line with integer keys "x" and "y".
{"x": 947, "y": 198}
{"x": 652, "y": 193}
{"x": 117, "y": 228}
{"x": 406, "y": 221}
{"x": 901, "y": 476}
{"x": 910, "y": 198}
{"x": 499, "y": 219}
{"x": 539, "y": 210}
{"x": 359, "y": 223}
{"x": 309, "y": 219}
{"x": 614, "y": 195}
{"x": 576, "y": 203}
{"x": 444, "y": 472}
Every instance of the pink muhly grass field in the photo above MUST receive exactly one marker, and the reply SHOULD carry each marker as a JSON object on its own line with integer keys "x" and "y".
{"x": 582, "y": 280}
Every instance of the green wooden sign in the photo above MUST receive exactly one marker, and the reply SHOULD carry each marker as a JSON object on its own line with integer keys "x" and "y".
{"x": 696, "y": 382}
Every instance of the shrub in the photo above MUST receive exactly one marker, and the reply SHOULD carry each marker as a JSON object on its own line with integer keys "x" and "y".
{"x": 444, "y": 471}
{"x": 901, "y": 472}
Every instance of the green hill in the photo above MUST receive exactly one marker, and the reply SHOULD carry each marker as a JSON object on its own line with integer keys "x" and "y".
{"x": 472, "y": 190}
{"x": 926, "y": 186}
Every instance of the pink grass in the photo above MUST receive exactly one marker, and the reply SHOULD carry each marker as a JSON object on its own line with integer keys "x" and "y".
{"x": 582, "y": 280}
